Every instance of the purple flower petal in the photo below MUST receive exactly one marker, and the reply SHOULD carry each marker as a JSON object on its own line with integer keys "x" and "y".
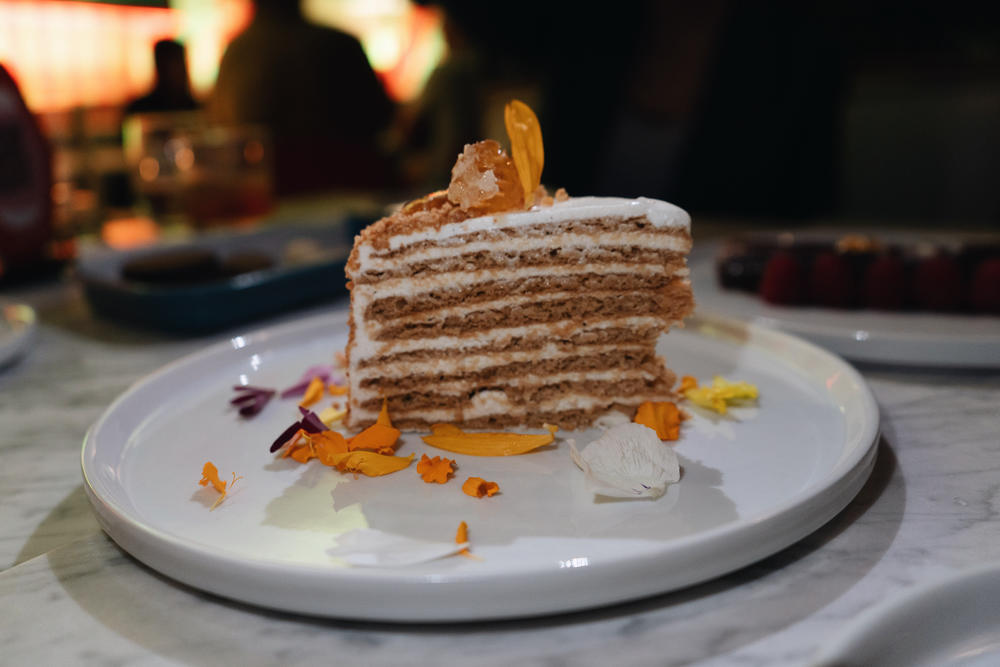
{"x": 311, "y": 421}
{"x": 285, "y": 436}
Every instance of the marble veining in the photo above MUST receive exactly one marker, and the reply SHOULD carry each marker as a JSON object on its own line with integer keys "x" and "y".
{"x": 68, "y": 595}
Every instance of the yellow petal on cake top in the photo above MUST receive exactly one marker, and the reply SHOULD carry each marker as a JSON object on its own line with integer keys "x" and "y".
{"x": 526, "y": 147}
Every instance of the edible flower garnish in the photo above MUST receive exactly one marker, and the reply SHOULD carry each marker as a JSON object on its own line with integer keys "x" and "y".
{"x": 462, "y": 537}
{"x": 627, "y": 461}
{"x": 526, "y": 147}
{"x": 453, "y": 439}
{"x": 435, "y": 470}
{"x": 721, "y": 394}
{"x": 251, "y": 400}
{"x": 477, "y": 487}
{"x": 310, "y": 423}
{"x": 338, "y": 390}
{"x": 313, "y": 392}
{"x": 687, "y": 382}
{"x": 371, "y": 464}
{"x": 661, "y": 416}
{"x": 210, "y": 475}
{"x": 332, "y": 415}
{"x": 322, "y": 372}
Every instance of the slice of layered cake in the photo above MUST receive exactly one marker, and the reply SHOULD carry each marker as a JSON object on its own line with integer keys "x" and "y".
{"x": 468, "y": 308}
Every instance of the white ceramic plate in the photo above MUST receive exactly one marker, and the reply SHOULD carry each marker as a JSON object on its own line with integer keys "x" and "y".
{"x": 749, "y": 488}
{"x": 945, "y": 623}
{"x": 17, "y": 331}
{"x": 919, "y": 339}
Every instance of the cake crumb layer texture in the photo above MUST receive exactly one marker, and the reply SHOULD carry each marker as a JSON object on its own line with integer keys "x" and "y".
{"x": 517, "y": 319}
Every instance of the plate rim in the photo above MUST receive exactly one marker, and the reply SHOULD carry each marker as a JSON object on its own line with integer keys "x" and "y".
{"x": 142, "y": 539}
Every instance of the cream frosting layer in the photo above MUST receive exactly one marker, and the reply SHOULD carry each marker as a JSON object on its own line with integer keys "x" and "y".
{"x": 369, "y": 261}
{"x": 496, "y": 403}
{"x": 365, "y": 347}
{"x": 456, "y": 280}
{"x": 660, "y": 214}
{"x": 471, "y": 363}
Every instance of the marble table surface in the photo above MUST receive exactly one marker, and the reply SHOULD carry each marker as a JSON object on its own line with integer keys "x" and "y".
{"x": 68, "y": 595}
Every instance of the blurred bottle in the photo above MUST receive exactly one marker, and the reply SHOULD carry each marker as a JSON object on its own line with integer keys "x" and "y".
{"x": 25, "y": 185}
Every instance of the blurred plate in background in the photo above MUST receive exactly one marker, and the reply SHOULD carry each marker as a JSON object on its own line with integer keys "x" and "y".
{"x": 218, "y": 280}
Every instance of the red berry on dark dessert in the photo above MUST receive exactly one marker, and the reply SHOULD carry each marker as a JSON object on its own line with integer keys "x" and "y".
{"x": 985, "y": 293}
{"x": 884, "y": 285}
{"x": 782, "y": 279}
{"x": 831, "y": 282}
{"x": 937, "y": 284}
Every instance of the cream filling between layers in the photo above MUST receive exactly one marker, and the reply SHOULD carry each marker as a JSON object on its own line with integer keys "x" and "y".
{"x": 461, "y": 387}
{"x": 373, "y": 329}
{"x": 371, "y": 262}
{"x": 490, "y": 403}
{"x": 366, "y": 348}
{"x": 455, "y": 280}
{"x": 456, "y": 364}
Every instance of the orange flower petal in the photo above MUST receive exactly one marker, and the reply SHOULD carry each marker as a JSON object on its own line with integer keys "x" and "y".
{"x": 687, "y": 382}
{"x": 375, "y": 437}
{"x": 209, "y": 473}
{"x": 453, "y": 439}
{"x": 369, "y": 463}
{"x": 313, "y": 392}
{"x": 462, "y": 534}
{"x": 337, "y": 390}
{"x": 383, "y": 415}
{"x": 663, "y": 417}
{"x": 477, "y": 487}
{"x": 436, "y": 470}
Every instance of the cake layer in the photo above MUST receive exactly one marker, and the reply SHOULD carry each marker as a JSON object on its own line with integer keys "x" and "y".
{"x": 549, "y": 339}
{"x": 669, "y": 303}
{"x": 406, "y": 296}
{"x": 534, "y": 390}
{"x": 484, "y": 369}
{"x": 569, "y": 414}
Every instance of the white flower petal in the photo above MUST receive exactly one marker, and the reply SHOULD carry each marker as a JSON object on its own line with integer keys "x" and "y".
{"x": 628, "y": 461}
{"x": 375, "y": 548}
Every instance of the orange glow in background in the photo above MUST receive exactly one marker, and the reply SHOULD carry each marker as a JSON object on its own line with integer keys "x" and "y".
{"x": 66, "y": 54}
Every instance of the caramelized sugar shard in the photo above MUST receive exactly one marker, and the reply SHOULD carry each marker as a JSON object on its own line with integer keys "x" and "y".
{"x": 526, "y": 146}
{"x": 484, "y": 180}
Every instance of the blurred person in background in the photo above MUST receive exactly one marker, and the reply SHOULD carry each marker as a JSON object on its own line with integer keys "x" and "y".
{"x": 314, "y": 90}
{"x": 448, "y": 114}
{"x": 172, "y": 88}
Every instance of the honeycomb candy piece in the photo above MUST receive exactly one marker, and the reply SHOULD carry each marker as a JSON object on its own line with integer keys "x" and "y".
{"x": 484, "y": 180}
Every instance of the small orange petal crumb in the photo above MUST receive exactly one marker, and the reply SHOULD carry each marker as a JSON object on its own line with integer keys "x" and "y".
{"x": 337, "y": 390}
{"x": 436, "y": 469}
{"x": 313, "y": 392}
{"x": 210, "y": 475}
{"x": 477, "y": 487}
{"x": 688, "y": 382}
{"x": 663, "y": 417}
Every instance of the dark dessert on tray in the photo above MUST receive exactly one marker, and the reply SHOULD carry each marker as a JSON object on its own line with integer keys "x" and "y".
{"x": 856, "y": 271}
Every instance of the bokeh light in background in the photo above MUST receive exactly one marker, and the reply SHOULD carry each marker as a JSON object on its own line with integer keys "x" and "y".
{"x": 66, "y": 54}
